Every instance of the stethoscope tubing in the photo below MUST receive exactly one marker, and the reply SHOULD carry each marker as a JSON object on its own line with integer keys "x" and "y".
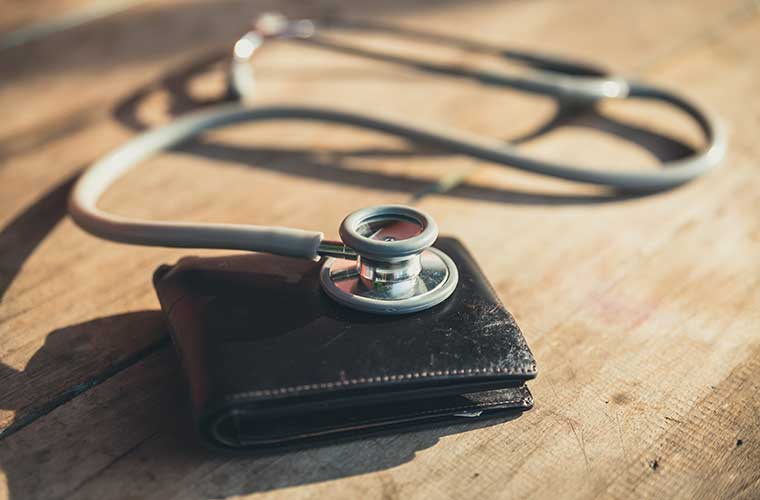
{"x": 586, "y": 87}
{"x": 293, "y": 242}
{"x": 301, "y": 243}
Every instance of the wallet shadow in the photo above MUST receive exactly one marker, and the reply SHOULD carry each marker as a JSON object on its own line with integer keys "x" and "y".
{"x": 169, "y": 446}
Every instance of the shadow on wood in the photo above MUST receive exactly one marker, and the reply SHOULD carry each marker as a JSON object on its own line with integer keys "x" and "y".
{"x": 26, "y": 231}
{"x": 310, "y": 164}
{"x": 129, "y": 428}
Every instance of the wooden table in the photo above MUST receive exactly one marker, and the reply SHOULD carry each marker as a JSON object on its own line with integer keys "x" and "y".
{"x": 643, "y": 313}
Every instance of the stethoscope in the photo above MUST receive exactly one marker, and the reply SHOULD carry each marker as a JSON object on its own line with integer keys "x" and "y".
{"x": 385, "y": 263}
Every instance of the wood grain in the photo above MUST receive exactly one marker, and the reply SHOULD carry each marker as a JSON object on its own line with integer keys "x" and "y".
{"x": 643, "y": 312}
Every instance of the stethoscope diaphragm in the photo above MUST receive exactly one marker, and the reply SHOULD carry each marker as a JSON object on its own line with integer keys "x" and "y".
{"x": 396, "y": 270}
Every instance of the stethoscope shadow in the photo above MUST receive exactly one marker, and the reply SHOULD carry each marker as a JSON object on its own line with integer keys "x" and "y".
{"x": 330, "y": 167}
{"x": 20, "y": 237}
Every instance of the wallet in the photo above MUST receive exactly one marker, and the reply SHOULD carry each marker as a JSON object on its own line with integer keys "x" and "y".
{"x": 272, "y": 362}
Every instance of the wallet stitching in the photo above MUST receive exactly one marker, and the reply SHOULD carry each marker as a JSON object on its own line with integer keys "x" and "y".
{"x": 380, "y": 378}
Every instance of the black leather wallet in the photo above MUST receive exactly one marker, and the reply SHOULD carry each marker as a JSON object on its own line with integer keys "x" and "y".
{"x": 272, "y": 362}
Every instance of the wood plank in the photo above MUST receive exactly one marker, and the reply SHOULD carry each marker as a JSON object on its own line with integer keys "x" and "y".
{"x": 603, "y": 415}
{"x": 704, "y": 454}
{"x": 643, "y": 318}
{"x": 84, "y": 436}
{"x": 43, "y": 155}
{"x": 162, "y": 458}
{"x": 17, "y": 15}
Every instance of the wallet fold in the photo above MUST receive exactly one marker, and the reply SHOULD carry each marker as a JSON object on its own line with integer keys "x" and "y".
{"x": 272, "y": 362}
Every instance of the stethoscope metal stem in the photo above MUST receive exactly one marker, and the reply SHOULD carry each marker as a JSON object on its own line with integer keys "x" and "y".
{"x": 337, "y": 249}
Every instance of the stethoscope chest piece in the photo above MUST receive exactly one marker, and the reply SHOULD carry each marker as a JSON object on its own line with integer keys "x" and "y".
{"x": 395, "y": 270}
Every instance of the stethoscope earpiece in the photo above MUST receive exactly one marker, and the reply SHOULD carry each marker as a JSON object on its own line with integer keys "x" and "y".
{"x": 395, "y": 269}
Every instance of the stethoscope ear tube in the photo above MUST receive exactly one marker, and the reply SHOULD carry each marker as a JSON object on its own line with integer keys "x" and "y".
{"x": 300, "y": 243}
{"x": 562, "y": 84}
